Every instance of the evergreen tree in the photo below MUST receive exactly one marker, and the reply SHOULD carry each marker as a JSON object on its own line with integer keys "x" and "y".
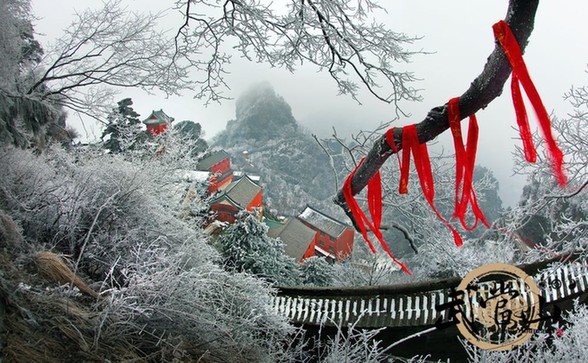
{"x": 124, "y": 129}
{"x": 317, "y": 271}
{"x": 192, "y": 131}
{"x": 24, "y": 119}
{"x": 246, "y": 247}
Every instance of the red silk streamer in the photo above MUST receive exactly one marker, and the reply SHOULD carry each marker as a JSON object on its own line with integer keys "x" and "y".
{"x": 404, "y": 164}
{"x": 513, "y": 52}
{"x": 522, "y": 120}
{"x": 411, "y": 144}
{"x": 465, "y": 159}
{"x": 375, "y": 208}
{"x": 374, "y": 195}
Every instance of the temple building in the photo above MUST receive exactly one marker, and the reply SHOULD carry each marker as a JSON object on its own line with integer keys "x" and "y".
{"x": 157, "y": 122}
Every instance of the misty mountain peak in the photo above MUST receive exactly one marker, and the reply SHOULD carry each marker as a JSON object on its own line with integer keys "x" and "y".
{"x": 288, "y": 160}
{"x": 261, "y": 114}
{"x": 262, "y": 91}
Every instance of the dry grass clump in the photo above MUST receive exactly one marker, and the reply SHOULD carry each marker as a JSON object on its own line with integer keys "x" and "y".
{"x": 55, "y": 268}
{"x": 50, "y": 323}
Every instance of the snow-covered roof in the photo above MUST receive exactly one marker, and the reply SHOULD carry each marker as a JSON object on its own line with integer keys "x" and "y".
{"x": 239, "y": 174}
{"x": 324, "y": 253}
{"x": 193, "y": 175}
{"x": 323, "y": 222}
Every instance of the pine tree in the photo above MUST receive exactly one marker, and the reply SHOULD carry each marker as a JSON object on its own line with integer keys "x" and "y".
{"x": 246, "y": 247}
{"x": 317, "y": 271}
{"x": 123, "y": 131}
{"x": 193, "y": 132}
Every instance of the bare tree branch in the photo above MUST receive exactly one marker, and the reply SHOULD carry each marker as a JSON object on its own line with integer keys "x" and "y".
{"x": 573, "y": 194}
{"x": 110, "y": 47}
{"x": 331, "y": 161}
{"x": 334, "y": 35}
{"x": 406, "y": 234}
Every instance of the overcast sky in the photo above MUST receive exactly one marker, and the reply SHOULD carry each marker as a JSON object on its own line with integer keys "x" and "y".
{"x": 459, "y": 33}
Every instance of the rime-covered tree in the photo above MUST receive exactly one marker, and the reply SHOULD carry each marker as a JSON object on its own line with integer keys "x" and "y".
{"x": 317, "y": 271}
{"x": 246, "y": 247}
{"x": 113, "y": 48}
{"x": 410, "y": 227}
{"x": 548, "y": 216}
{"x": 19, "y": 48}
{"x": 23, "y": 119}
{"x": 192, "y": 131}
{"x": 488, "y": 85}
{"x": 123, "y": 130}
{"x": 101, "y": 52}
{"x": 341, "y": 37}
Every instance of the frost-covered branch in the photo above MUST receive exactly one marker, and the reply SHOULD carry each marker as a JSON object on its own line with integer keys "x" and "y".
{"x": 338, "y": 36}
{"x": 108, "y": 48}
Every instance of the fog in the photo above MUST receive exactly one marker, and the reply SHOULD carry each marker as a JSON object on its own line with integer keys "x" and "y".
{"x": 458, "y": 37}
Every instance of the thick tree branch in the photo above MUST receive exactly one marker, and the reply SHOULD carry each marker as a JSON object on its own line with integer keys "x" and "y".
{"x": 483, "y": 90}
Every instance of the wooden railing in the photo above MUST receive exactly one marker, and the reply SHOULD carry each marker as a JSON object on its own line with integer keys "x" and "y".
{"x": 409, "y": 305}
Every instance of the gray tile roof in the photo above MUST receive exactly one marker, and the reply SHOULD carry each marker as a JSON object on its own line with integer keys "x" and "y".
{"x": 158, "y": 117}
{"x": 212, "y": 159}
{"x": 323, "y": 222}
{"x": 295, "y": 235}
{"x": 240, "y": 192}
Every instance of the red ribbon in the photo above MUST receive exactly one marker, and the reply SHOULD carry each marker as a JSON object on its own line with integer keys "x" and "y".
{"x": 374, "y": 195}
{"x": 404, "y": 164}
{"x": 375, "y": 208}
{"x": 522, "y": 120}
{"x": 465, "y": 159}
{"x": 520, "y": 75}
{"x": 411, "y": 144}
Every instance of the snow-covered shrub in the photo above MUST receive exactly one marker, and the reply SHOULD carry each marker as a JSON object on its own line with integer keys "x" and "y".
{"x": 354, "y": 345}
{"x": 443, "y": 260}
{"x": 566, "y": 343}
{"x": 218, "y": 315}
{"x": 162, "y": 289}
{"x": 370, "y": 269}
{"x": 246, "y": 247}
